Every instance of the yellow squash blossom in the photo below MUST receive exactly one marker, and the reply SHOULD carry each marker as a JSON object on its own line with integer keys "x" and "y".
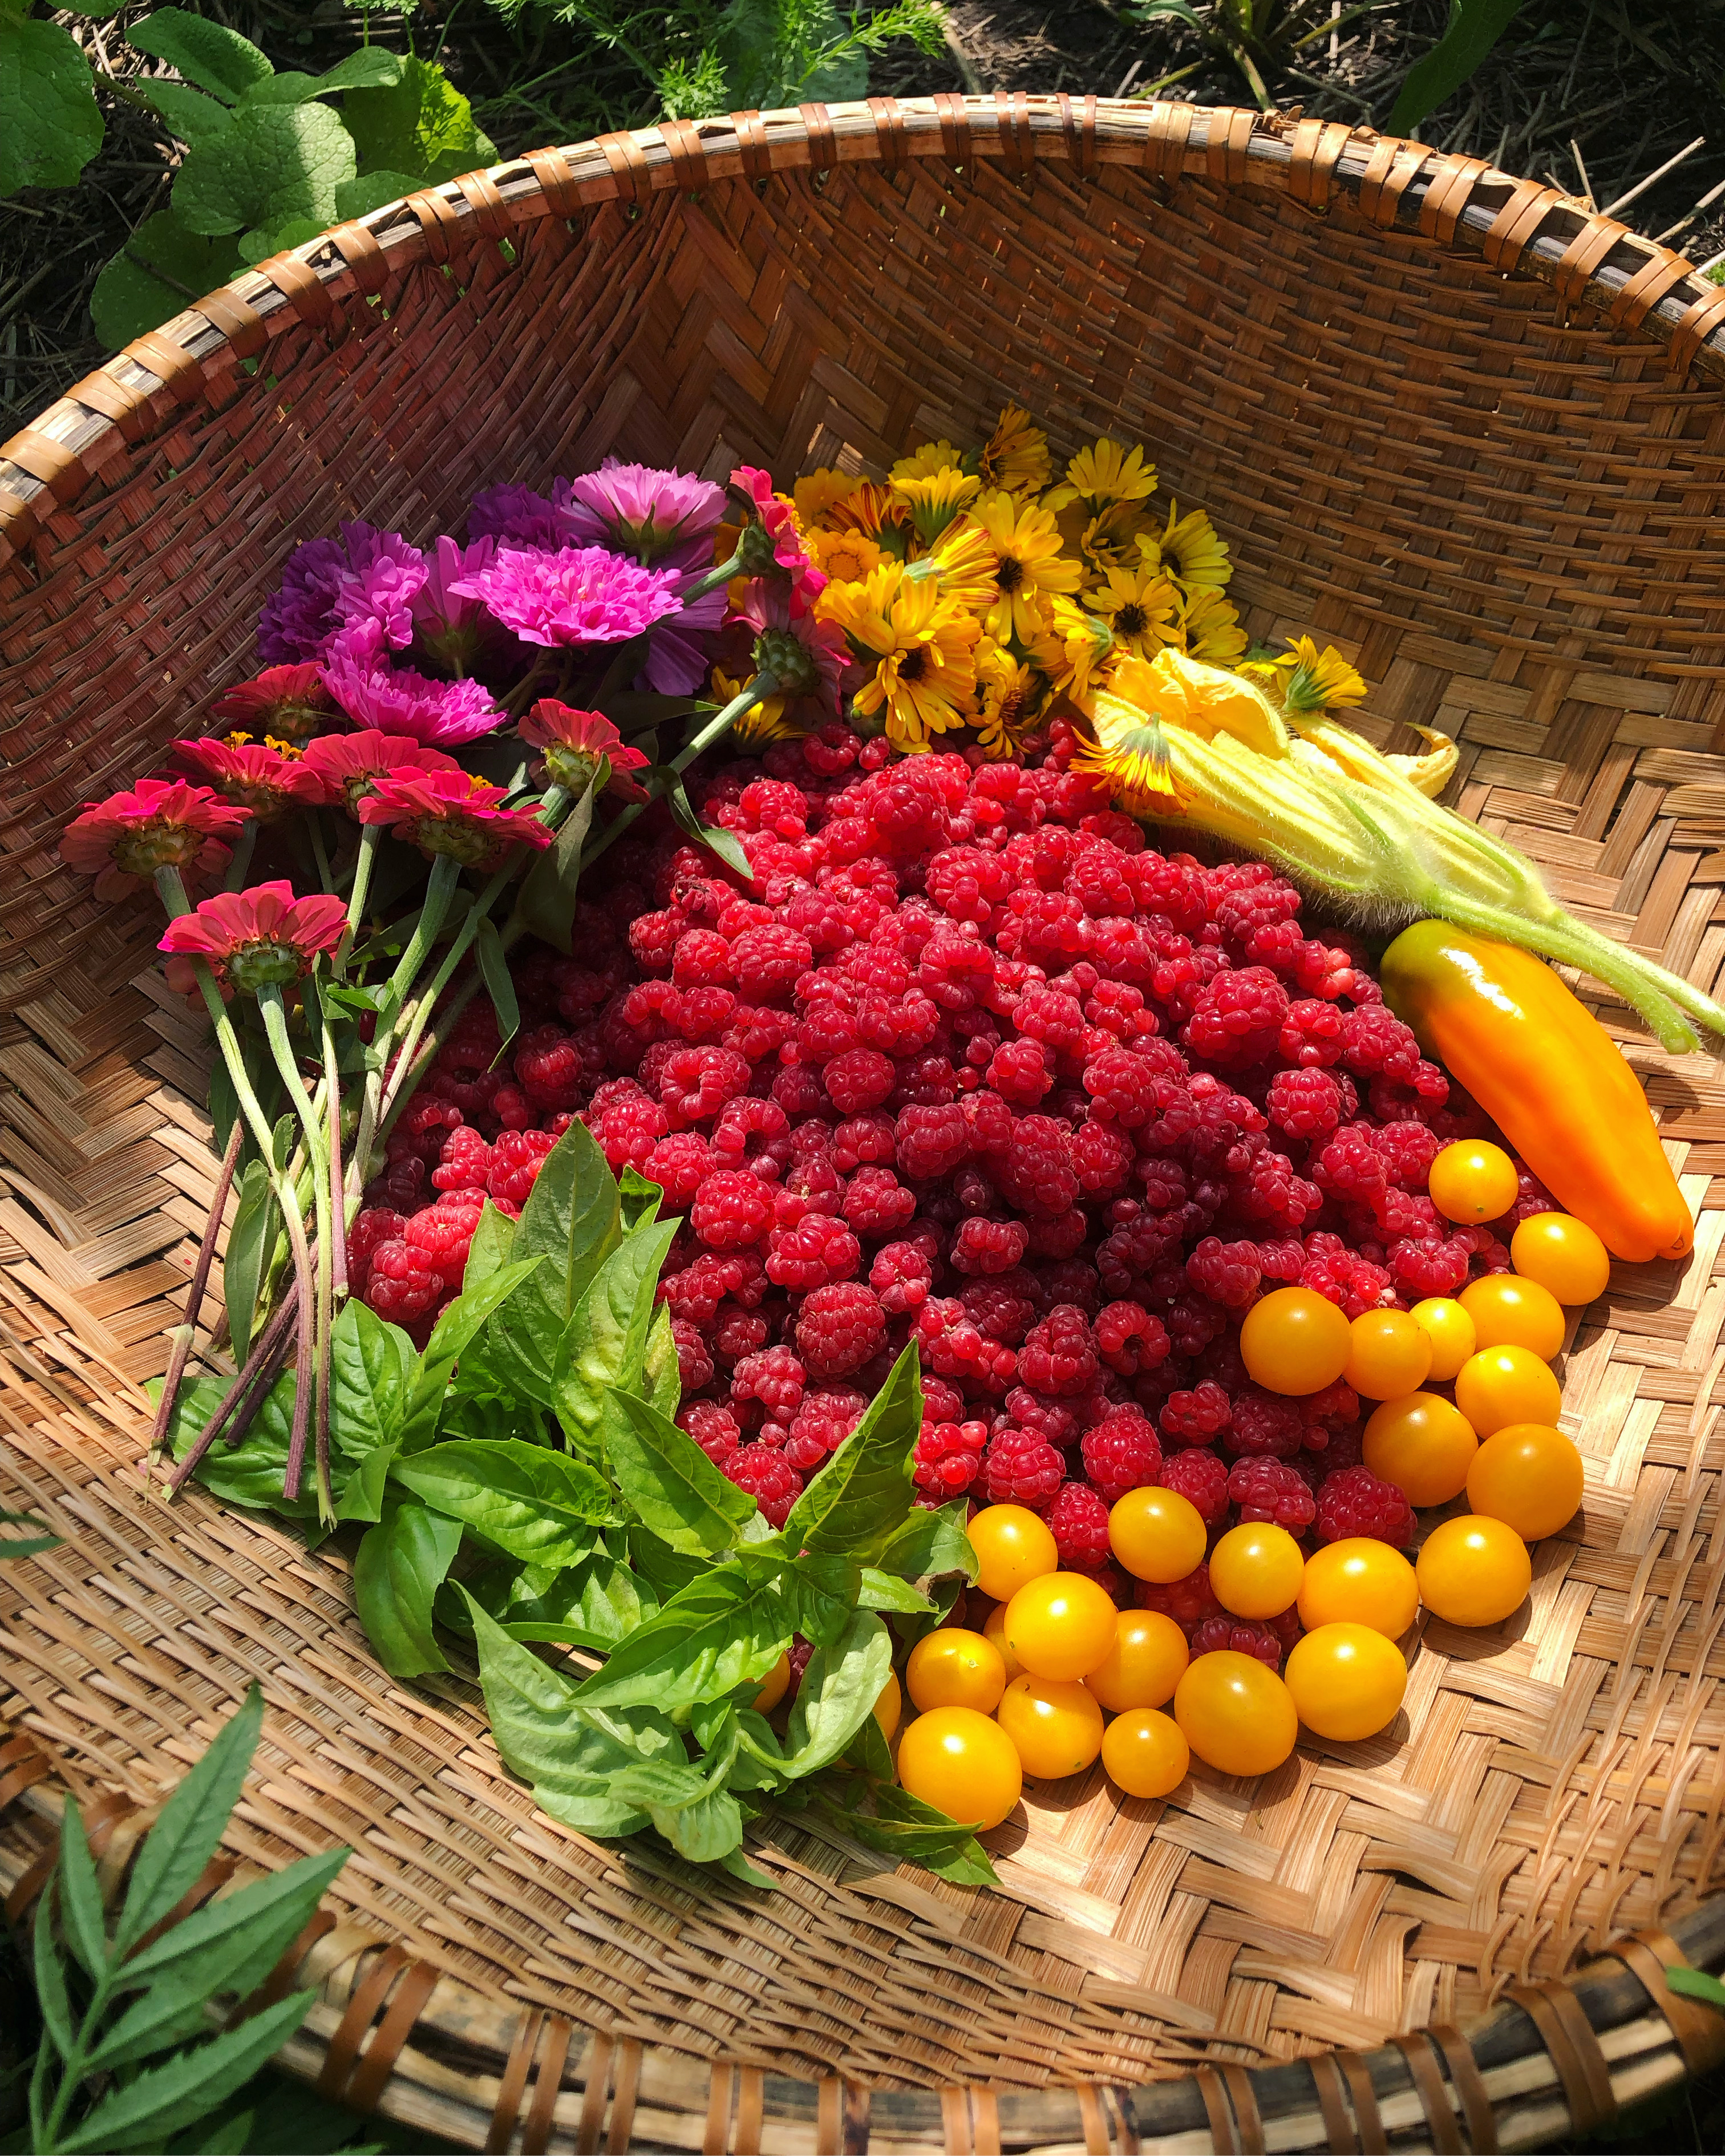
{"x": 935, "y": 499}
{"x": 1015, "y": 458}
{"x": 818, "y": 492}
{"x": 765, "y": 722}
{"x": 919, "y": 647}
{"x": 1189, "y": 550}
{"x": 1008, "y": 696}
{"x": 1210, "y": 629}
{"x": 1139, "y": 605}
{"x": 926, "y": 459}
{"x": 845, "y": 557}
{"x": 1027, "y": 566}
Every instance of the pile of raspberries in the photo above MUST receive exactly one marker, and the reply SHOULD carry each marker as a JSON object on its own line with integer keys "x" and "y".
{"x": 968, "y": 1062}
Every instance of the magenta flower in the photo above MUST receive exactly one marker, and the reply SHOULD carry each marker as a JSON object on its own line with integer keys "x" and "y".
{"x": 451, "y": 628}
{"x": 381, "y": 588}
{"x": 577, "y": 744}
{"x": 260, "y": 937}
{"x": 638, "y": 509}
{"x": 680, "y": 654}
{"x": 318, "y": 579}
{"x": 805, "y": 655}
{"x": 515, "y": 516}
{"x": 451, "y": 812}
{"x": 267, "y": 782}
{"x": 578, "y": 595}
{"x": 161, "y": 823}
{"x": 345, "y": 765}
{"x": 398, "y": 701}
{"x": 780, "y": 545}
{"x": 288, "y": 703}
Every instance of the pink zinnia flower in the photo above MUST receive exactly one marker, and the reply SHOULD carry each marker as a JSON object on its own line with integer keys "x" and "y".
{"x": 680, "y": 654}
{"x": 270, "y": 783}
{"x": 382, "y": 586}
{"x": 454, "y": 629}
{"x": 346, "y": 765}
{"x": 451, "y": 812}
{"x": 638, "y": 509}
{"x": 780, "y": 543}
{"x": 804, "y": 656}
{"x": 161, "y": 823}
{"x": 398, "y": 701}
{"x": 577, "y": 744}
{"x": 257, "y": 937}
{"x": 578, "y": 595}
{"x": 288, "y": 702}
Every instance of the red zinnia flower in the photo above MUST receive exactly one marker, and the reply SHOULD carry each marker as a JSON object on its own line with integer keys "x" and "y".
{"x": 252, "y": 938}
{"x": 347, "y": 766}
{"x": 577, "y": 744}
{"x": 267, "y": 782}
{"x": 450, "y": 812}
{"x": 289, "y": 702}
{"x": 161, "y": 823}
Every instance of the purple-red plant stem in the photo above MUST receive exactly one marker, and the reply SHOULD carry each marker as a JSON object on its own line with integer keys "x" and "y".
{"x": 194, "y": 1294}
{"x": 238, "y": 1407}
{"x": 303, "y": 1389}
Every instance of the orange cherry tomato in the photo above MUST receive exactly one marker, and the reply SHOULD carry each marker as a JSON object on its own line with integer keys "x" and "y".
{"x": 774, "y": 1686}
{"x": 1527, "y": 1476}
{"x": 1423, "y": 1446}
{"x": 1147, "y": 1660}
{"x": 1359, "y": 1581}
{"x": 1562, "y": 1253}
{"x": 1256, "y": 1569}
{"x": 1012, "y": 1546}
{"x": 1237, "y": 1715}
{"x": 1473, "y": 1571}
{"x": 952, "y": 1667}
{"x": 1508, "y": 1312}
{"x": 1061, "y": 1626}
{"x": 1502, "y": 1385}
{"x": 1157, "y": 1535}
{"x": 963, "y": 1764}
{"x": 1144, "y": 1753}
{"x": 1472, "y": 1181}
{"x": 1347, "y": 1681}
{"x": 1055, "y": 1728}
{"x": 889, "y": 1706}
{"x": 1451, "y": 1331}
{"x": 995, "y": 1632}
{"x": 1294, "y": 1341}
{"x": 1389, "y": 1355}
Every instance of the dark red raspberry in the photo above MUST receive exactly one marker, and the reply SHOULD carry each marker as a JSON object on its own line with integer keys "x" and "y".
{"x": 953, "y": 1345}
{"x": 713, "y": 1428}
{"x": 774, "y": 1377}
{"x": 1305, "y": 1104}
{"x": 1197, "y": 1416}
{"x": 1019, "y": 1072}
{"x": 1021, "y": 1468}
{"x": 1059, "y": 1356}
{"x": 1126, "y": 1086}
{"x": 1078, "y": 1520}
{"x": 817, "y": 1250}
{"x": 731, "y": 1210}
{"x": 1236, "y": 1018}
{"x": 695, "y": 1365}
{"x": 1313, "y": 1034}
{"x": 1408, "y": 1148}
{"x": 840, "y": 1327}
{"x": 737, "y": 1332}
{"x": 901, "y": 1276}
{"x": 1264, "y": 1423}
{"x": 1353, "y": 1501}
{"x": 1238, "y": 1636}
{"x": 821, "y": 1425}
{"x": 1376, "y": 1041}
{"x": 1122, "y": 1453}
{"x": 1035, "y": 1173}
{"x": 1187, "y": 1601}
{"x": 769, "y": 1478}
{"x": 1005, "y": 1306}
{"x": 1200, "y": 1476}
{"x": 948, "y": 1458}
{"x": 1421, "y": 1269}
{"x": 1351, "y": 1168}
{"x": 930, "y": 1142}
{"x": 376, "y": 1225}
{"x": 864, "y": 1142}
{"x": 401, "y": 1283}
{"x": 985, "y": 1246}
{"x": 877, "y": 1203}
{"x": 812, "y": 1186}
{"x": 1129, "y": 1339}
{"x": 1266, "y": 1489}
{"x": 627, "y": 1132}
{"x": 1228, "y": 1273}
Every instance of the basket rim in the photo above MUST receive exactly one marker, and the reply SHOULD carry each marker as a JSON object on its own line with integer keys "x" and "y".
{"x": 1463, "y": 204}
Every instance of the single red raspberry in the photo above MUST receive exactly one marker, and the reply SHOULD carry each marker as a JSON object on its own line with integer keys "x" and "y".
{"x": 1238, "y": 1636}
{"x": 695, "y": 1083}
{"x": 737, "y": 1332}
{"x": 1421, "y": 1268}
{"x": 516, "y": 1158}
{"x": 988, "y": 1245}
{"x": 1121, "y": 1454}
{"x": 817, "y": 1250}
{"x": 877, "y": 1203}
{"x": 1304, "y": 1103}
{"x": 861, "y": 1079}
{"x": 1266, "y": 1489}
{"x": 376, "y": 1225}
{"x": 401, "y": 1283}
{"x": 901, "y": 1276}
{"x": 1408, "y": 1148}
{"x": 1332, "y": 1408}
{"x": 1101, "y": 1158}
{"x": 1129, "y": 1339}
{"x": 821, "y": 1425}
{"x": 930, "y": 1142}
{"x": 840, "y": 1327}
{"x": 1351, "y": 1168}
{"x": 948, "y": 1458}
{"x": 695, "y": 1365}
{"x": 1021, "y": 1468}
{"x": 864, "y": 1142}
{"x": 1196, "y": 1416}
{"x": 1375, "y": 1041}
{"x": 1354, "y": 1284}
{"x": 768, "y": 962}
{"x": 701, "y": 959}
{"x": 680, "y": 1165}
{"x": 769, "y": 1478}
{"x": 1019, "y": 1072}
{"x": 752, "y": 1133}
{"x": 1189, "y": 1601}
{"x": 713, "y": 1428}
{"x": 627, "y": 1132}
{"x": 953, "y": 1345}
{"x": 1059, "y": 1356}
{"x": 444, "y": 1234}
{"x": 773, "y": 1377}
{"x": 1200, "y": 1476}
{"x": 1263, "y": 1422}
{"x": 1313, "y": 1034}
{"x": 813, "y": 1185}
{"x": 652, "y": 938}
{"x": 1353, "y": 1501}
{"x": 1236, "y": 1018}
{"x": 1078, "y": 1520}
{"x": 464, "y": 1163}
{"x": 731, "y": 1210}
{"x": 1004, "y": 1306}
{"x": 1128, "y": 1085}
{"x": 1228, "y": 1273}
{"x": 1036, "y": 1173}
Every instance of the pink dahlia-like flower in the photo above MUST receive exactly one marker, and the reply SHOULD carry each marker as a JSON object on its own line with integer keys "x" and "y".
{"x": 515, "y": 515}
{"x": 161, "y": 823}
{"x": 638, "y": 509}
{"x": 289, "y": 703}
{"x": 267, "y": 782}
{"x": 454, "y": 630}
{"x": 255, "y": 938}
{"x": 395, "y": 699}
{"x": 577, "y": 744}
{"x": 318, "y": 580}
{"x": 804, "y": 656}
{"x": 451, "y": 812}
{"x": 346, "y": 765}
{"x": 776, "y": 520}
{"x": 578, "y": 595}
{"x": 381, "y": 588}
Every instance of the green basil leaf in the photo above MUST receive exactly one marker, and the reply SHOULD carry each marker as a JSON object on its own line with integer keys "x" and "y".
{"x": 930, "y": 1544}
{"x": 371, "y": 1367}
{"x": 666, "y": 1480}
{"x": 725, "y": 843}
{"x": 361, "y": 1496}
{"x": 22, "y": 1546}
{"x": 492, "y": 1248}
{"x": 450, "y": 1338}
{"x": 906, "y": 1828}
{"x": 397, "y": 1570}
{"x": 820, "y": 1591}
{"x": 865, "y": 1493}
{"x": 248, "y": 1242}
{"x": 667, "y": 1571}
{"x": 837, "y": 1695}
{"x": 869, "y": 1749}
{"x": 189, "y": 1827}
{"x": 607, "y": 1339}
{"x": 721, "y": 1632}
{"x": 660, "y": 1373}
{"x": 532, "y": 1503}
{"x": 250, "y": 1474}
{"x": 749, "y": 1875}
{"x": 549, "y": 891}
{"x": 500, "y": 986}
{"x": 571, "y": 1220}
{"x": 884, "y": 1590}
{"x": 1696, "y": 1983}
{"x": 641, "y": 1200}
{"x": 705, "y": 1832}
{"x": 594, "y": 1604}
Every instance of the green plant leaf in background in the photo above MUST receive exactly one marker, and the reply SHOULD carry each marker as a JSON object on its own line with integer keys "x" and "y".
{"x": 215, "y": 58}
{"x": 864, "y": 1495}
{"x": 534, "y": 1504}
{"x": 421, "y": 123}
{"x": 606, "y": 1343}
{"x": 187, "y": 1832}
{"x": 370, "y": 67}
{"x": 50, "y": 124}
{"x": 193, "y": 117}
{"x": 666, "y": 1480}
{"x": 360, "y": 197}
{"x": 276, "y": 162}
{"x": 1475, "y": 26}
{"x": 397, "y": 1570}
{"x": 26, "y": 1545}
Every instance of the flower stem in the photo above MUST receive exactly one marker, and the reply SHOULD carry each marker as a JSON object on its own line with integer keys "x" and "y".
{"x": 240, "y": 865}
{"x": 315, "y": 1299}
{"x": 244, "y": 1397}
{"x": 338, "y": 1211}
{"x": 194, "y": 1294}
{"x": 426, "y": 1003}
{"x": 439, "y": 890}
{"x": 758, "y": 690}
{"x": 369, "y": 836}
{"x": 320, "y": 852}
{"x": 713, "y": 578}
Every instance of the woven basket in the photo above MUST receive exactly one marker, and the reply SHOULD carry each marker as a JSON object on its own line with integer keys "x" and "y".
{"x": 1460, "y": 426}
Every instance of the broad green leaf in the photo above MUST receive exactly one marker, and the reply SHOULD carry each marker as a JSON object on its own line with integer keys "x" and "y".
{"x": 749, "y": 1875}
{"x": 865, "y": 1493}
{"x": 188, "y": 1830}
{"x": 264, "y": 240}
{"x": 666, "y": 1480}
{"x": 667, "y": 1571}
{"x": 215, "y": 58}
{"x": 250, "y": 1474}
{"x": 660, "y": 1372}
{"x": 274, "y": 163}
{"x": 885, "y": 1590}
{"x": 359, "y": 198}
{"x": 20, "y": 1546}
{"x": 606, "y": 1341}
{"x": 571, "y": 1220}
{"x": 50, "y": 124}
{"x": 820, "y": 1591}
{"x": 500, "y": 986}
{"x": 594, "y": 1604}
{"x": 1696, "y": 1983}
{"x": 193, "y": 117}
{"x": 641, "y": 1200}
{"x": 361, "y": 1496}
{"x": 80, "y": 1897}
{"x": 370, "y": 67}
{"x": 837, "y": 1695}
{"x": 372, "y": 1367}
{"x": 704, "y": 1832}
{"x": 534, "y": 1504}
{"x": 548, "y": 892}
{"x": 725, "y": 843}
{"x": 930, "y": 1543}
{"x": 1474, "y": 27}
{"x": 450, "y": 1338}
{"x": 904, "y": 1827}
{"x": 719, "y": 1633}
{"x": 492, "y": 1247}
{"x": 421, "y": 123}
{"x": 869, "y": 1749}
{"x": 142, "y": 2113}
{"x": 255, "y": 1216}
{"x": 397, "y": 1570}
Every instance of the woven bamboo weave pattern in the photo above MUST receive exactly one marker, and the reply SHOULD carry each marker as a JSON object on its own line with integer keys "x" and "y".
{"x": 1452, "y": 423}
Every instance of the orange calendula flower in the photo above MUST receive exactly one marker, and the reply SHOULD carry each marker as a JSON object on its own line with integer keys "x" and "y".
{"x": 819, "y": 492}
{"x": 846, "y": 557}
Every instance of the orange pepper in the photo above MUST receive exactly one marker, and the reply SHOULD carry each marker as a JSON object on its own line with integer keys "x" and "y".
{"x": 1549, "y": 1075}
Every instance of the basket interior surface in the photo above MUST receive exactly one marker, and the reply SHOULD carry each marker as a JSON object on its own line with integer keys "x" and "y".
{"x": 1501, "y": 513}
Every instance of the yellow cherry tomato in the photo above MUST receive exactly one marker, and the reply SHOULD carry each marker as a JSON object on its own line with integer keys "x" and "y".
{"x": 1061, "y": 1625}
{"x": 1527, "y": 1476}
{"x": 1508, "y": 1312}
{"x": 1144, "y": 1752}
{"x": 1502, "y": 1385}
{"x": 1562, "y": 1253}
{"x": 962, "y": 1763}
{"x": 1423, "y": 1446}
{"x": 1237, "y": 1715}
{"x": 1157, "y": 1535}
{"x": 1012, "y": 1547}
{"x": 1359, "y": 1581}
{"x": 1147, "y": 1660}
{"x": 1347, "y": 1681}
{"x": 995, "y": 1632}
{"x": 1473, "y": 1571}
{"x": 1294, "y": 1341}
{"x": 889, "y": 1706}
{"x": 774, "y": 1686}
{"x": 1389, "y": 1355}
{"x": 1056, "y": 1727}
{"x": 1256, "y": 1569}
{"x": 1472, "y": 1181}
{"x": 951, "y": 1667}
{"x": 1451, "y": 1331}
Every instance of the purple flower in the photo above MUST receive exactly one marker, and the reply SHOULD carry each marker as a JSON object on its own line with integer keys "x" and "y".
{"x": 322, "y": 580}
{"x": 395, "y": 699}
{"x": 514, "y": 516}
{"x": 679, "y": 656}
{"x": 577, "y": 595}
{"x": 638, "y": 509}
{"x": 452, "y": 629}
{"x": 382, "y": 586}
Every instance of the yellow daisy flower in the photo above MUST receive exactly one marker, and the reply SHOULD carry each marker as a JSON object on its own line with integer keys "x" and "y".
{"x": 921, "y": 648}
{"x": 846, "y": 557}
{"x": 961, "y": 561}
{"x": 1027, "y": 566}
{"x": 1015, "y": 458}
{"x": 876, "y": 511}
{"x": 1109, "y": 539}
{"x": 1074, "y": 648}
{"x": 1139, "y": 606}
{"x": 1007, "y": 698}
{"x": 1189, "y": 550}
{"x": 1210, "y": 628}
{"x": 1314, "y": 681}
{"x": 1104, "y": 473}
{"x": 766, "y": 723}
{"x": 926, "y": 459}
{"x": 934, "y": 498}
{"x": 818, "y": 492}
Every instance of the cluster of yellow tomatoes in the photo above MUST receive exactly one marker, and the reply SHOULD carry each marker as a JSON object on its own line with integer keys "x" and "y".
{"x": 1033, "y": 1691}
